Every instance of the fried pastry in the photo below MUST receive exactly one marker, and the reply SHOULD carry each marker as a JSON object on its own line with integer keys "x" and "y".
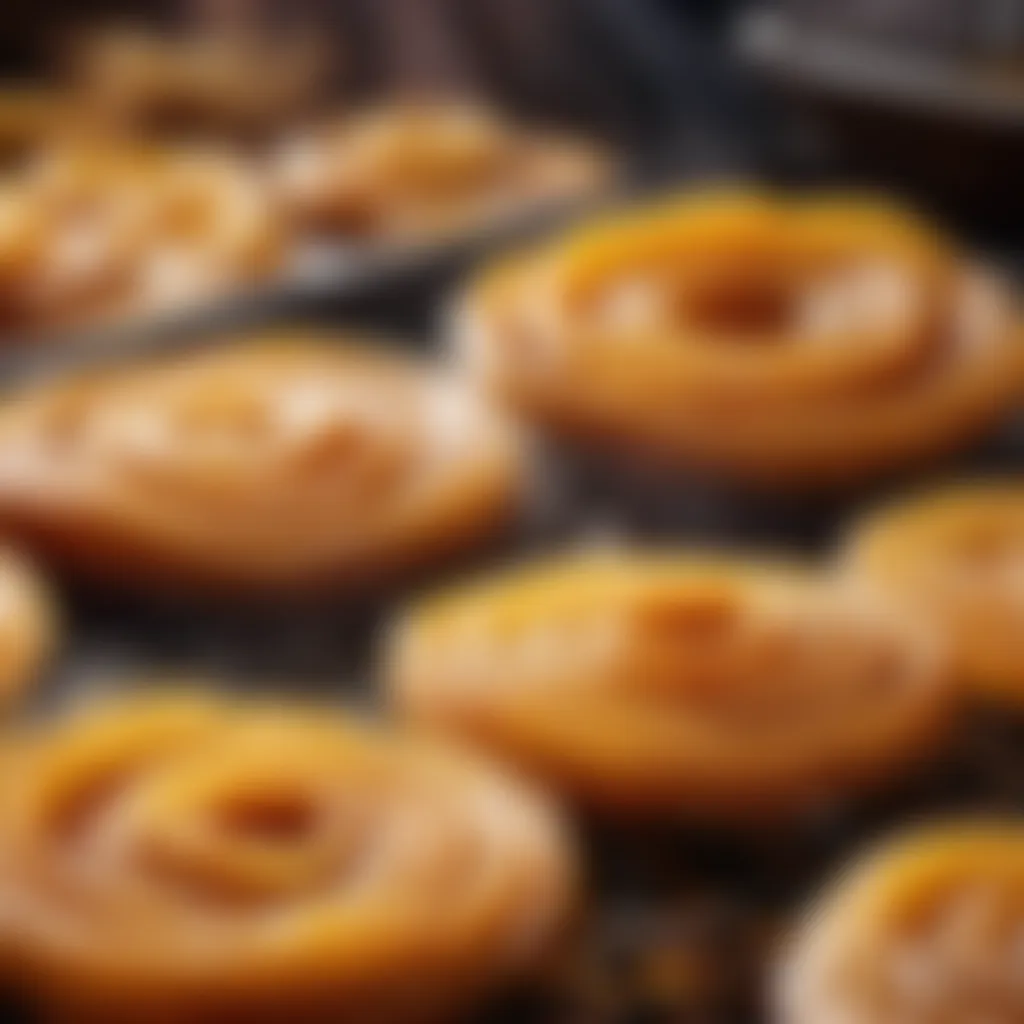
{"x": 419, "y": 171}
{"x": 958, "y": 556}
{"x": 928, "y": 930}
{"x": 679, "y": 686}
{"x": 286, "y": 462}
{"x": 100, "y": 231}
{"x": 775, "y": 342}
{"x": 177, "y": 858}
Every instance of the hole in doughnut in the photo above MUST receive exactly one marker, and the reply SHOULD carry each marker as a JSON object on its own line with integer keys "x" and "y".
{"x": 279, "y": 818}
{"x": 739, "y": 307}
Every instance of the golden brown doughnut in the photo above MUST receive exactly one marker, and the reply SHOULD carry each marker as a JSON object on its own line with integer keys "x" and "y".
{"x": 88, "y": 232}
{"x": 927, "y": 930}
{"x": 126, "y": 229}
{"x": 287, "y": 461}
{"x": 958, "y": 555}
{"x": 419, "y": 171}
{"x": 176, "y": 858}
{"x": 775, "y": 341}
{"x": 681, "y": 685}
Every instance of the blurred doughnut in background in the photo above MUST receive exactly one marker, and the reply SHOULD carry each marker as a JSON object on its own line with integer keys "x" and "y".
{"x": 103, "y": 230}
{"x": 422, "y": 170}
{"x": 293, "y": 153}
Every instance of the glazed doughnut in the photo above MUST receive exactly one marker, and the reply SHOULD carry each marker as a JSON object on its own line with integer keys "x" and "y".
{"x": 214, "y": 226}
{"x": 926, "y": 931}
{"x": 27, "y": 626}
{"x": 773, "y": 341}
{"x": 958, "y": 555}
{"x": 288, "y": 461}
{"x": 684, "y": 685}
{"x": 175, "y": 858}
{"x": 90, "y": 211}
{"x": 416, "y": 171}
{"x": 137, "y": 229}
{"x": 93, "y": 231}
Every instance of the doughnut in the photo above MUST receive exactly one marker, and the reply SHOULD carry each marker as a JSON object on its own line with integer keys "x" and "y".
{"x": 677, "y": 685}
{"x": 418, "y": 171}
{"x": 774, "y": 342}
{"x": 284, "y": 461}
{"x": 93, "y": 232}
{"x": 176, "y": 857}
{"x": 133, "y": 229}
{"x": 957, "y": 554}
{"x": 925, "y": 930}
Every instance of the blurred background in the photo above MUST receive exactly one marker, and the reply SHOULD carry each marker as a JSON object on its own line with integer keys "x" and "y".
{"x": 924, "y": 98}
{"x": 924, "y": 94}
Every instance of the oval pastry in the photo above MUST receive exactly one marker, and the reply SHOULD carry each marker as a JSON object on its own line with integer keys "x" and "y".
{"x": 958, "y": 555}
{"x": 174, "y": 858}
{"x": 419, "y": 171}
{"x": 278, "y": 463}
{"x": 777, "y": 342}
{"x": 685, "y": 686}
{"x": 929, "y": 930}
